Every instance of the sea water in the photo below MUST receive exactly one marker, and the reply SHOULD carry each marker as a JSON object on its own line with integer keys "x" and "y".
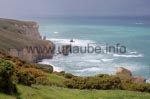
{"x": 132, "y": 32}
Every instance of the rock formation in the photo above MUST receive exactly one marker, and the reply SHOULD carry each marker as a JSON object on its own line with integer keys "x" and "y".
{"x": 66, "y": 49}
{"x": 125, "y": 74}
{"x": 22, "y": 39}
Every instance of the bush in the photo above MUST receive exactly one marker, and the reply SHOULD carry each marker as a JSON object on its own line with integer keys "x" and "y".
{"x": 44, "y": 68}
{"x": 106, "y": 82}
{"x": 142, "y": 87}
{"x": 19, "y": 62}
{"x": 58, "y": 73}
{"x": 28, "y": 66}
{"x": 62, "y": 72}
{"x": 7, "y": 77}
{"x": 97, "y": 82}
{"x": 68, "y": 75}
{"x": 29, "y": 76}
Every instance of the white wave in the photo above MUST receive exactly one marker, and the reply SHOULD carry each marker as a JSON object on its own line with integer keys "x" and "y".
{"x": 148, "y": 80}
{"x": 56, "y": 68}
{"x": 92, "y": 69}
{"x": 77, "y": 42}
{"x": 84, "y": 68}
{"x": 111, "y": 69}
{"x": 128, "y": 56}
{"x": 134, "y": 52}
{"x": 56, "y": 32}
{"x": 96, "y": 70}
{"x": 107, "y": 60}
{"x": 93, "y": 61}
{"x": 139, "y": 23}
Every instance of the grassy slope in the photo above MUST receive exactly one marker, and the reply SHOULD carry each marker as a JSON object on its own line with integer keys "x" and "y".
{"x": 43, "y": 92}
{"x": 47, "y": 92}
{"x": 56, "y": 79}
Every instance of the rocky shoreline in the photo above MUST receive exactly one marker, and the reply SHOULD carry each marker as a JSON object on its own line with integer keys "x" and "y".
{"x": 28, "y": 31}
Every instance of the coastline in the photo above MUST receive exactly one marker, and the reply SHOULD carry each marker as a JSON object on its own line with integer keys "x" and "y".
{"x": 94, "y": 60}
{"x": 32, "y": 57}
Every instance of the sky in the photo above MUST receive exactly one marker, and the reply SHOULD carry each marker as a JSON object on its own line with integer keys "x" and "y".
{"x": 37, "y": 8}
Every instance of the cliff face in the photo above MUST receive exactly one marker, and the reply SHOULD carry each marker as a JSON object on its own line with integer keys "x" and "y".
{"x": 30, "y": 30}
{"x": 34, "y": 53}
{"x": 22, "y": 39}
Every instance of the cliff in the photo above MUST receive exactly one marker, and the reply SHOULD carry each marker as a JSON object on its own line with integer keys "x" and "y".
{"x": 16, "y": 36}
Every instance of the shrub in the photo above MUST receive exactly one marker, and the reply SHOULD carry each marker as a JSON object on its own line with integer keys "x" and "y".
{"x": 19, "y": 62}
{"x": 58, "y": 73}
{"x": 97, "y": 82}
{"x": 42, "y": 80}
{"x": 68, "y": 75}
{"x": 106, "y": 82}
{"x": 62, "y": 72}
{"x": 29, "y": 76}
{"x": 7, "y": 77}
{"x": 28, "y": 66}
{"x": 142, "y": 87}
{"x": 44, "y": 68}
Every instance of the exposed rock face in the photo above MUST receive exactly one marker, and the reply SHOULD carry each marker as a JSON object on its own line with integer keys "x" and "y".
{"x": 22, "y": 39}
{"x": 125, "y": 74}
{"x": 38, "y": 52}
{"x": 34, "y": 53}
{"x": 30, "y": 30}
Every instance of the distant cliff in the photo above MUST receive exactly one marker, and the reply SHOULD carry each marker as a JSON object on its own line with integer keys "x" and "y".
{"x": 16, "y": 36}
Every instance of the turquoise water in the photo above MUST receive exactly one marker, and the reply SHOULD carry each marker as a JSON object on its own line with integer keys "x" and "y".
{"x": 134, "y": 33}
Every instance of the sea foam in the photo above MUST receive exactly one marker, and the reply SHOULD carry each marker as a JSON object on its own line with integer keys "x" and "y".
{"x": 77, "y": 42}
{"x": 47, "y": 62}
{"x": 129, "y": 56}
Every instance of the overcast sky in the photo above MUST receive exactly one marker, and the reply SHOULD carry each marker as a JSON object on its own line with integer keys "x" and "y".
{"x": 36, "y": 8}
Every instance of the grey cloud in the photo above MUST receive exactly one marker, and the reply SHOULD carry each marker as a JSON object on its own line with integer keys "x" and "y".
{"x": 12, "y": 8}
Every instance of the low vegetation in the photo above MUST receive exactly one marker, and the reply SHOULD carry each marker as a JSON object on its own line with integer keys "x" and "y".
{"x": 142, "y": 87}
{"x": 7, "y": 77}
{"x": 52, "y": 92}
{"x": 106, "y": 82}
{"x": 30, "y": 81}
{"x": 44, "y": 68}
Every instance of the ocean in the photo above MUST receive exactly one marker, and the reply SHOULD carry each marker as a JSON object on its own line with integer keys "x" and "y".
{"x": 132, "y": 32}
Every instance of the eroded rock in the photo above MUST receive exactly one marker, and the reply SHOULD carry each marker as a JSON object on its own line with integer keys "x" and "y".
{"x": 125, "y": 74}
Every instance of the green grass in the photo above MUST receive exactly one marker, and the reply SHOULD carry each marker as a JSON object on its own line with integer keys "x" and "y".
{"x": 56, "y": 79}
{"x": 46, "y": 92}
{"x": 4, "y": 96}
{"x": 52, "y": 92}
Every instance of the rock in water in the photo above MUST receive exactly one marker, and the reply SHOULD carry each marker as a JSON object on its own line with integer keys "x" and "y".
{"x": 66, "y": 49}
